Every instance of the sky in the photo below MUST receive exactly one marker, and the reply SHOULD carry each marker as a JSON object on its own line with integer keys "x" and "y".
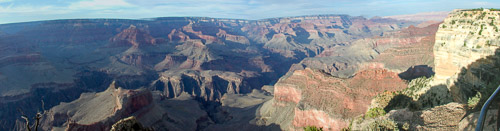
{"x": 12, "y": 11}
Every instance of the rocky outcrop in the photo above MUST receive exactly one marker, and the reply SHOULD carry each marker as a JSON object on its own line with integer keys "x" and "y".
{"x": 128, "y": 124}
{"x": 313, "y": 98}
{"x": 445, "y": 117}
{"x": 470, "y": 121}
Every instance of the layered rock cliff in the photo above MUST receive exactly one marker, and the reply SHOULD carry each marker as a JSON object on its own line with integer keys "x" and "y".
{"x": 465, "y": 37}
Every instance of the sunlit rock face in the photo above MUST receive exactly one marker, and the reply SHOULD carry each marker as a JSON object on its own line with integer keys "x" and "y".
{"x": 463, "y": 38}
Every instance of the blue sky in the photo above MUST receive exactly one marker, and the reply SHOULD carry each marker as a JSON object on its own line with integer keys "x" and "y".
{"x": 34, "y": 10}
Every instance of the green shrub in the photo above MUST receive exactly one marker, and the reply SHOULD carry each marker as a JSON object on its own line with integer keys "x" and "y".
{"x": 476, "y": 9}
{"x": 481, "y": 31}
{"x": 312, "y": 128}
{"x": 472, "y": 101}
{"x": 416, "y": 85}
{"x": 406, "y": 126}
{"x": 482, "y": 15}
{"x": 488, "y": 43}
{"x": 374, "y": 112}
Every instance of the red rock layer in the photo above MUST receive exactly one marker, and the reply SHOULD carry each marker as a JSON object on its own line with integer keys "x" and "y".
{"x": 133, "y": 36}
{"x": 332, "y": 101}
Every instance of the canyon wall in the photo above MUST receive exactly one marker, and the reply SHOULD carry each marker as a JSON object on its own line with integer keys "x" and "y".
{"x": 465, "y": 37}
{"x": 466, "y": 57}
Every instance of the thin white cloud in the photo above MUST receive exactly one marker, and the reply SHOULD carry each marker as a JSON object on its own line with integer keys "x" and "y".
{"x": 17, "y": 11}
{"x": 25, "y": 9}
{"x": 5, "y": 1}
{"x": 481, "y": 3}
{"x": 99, "y": 4}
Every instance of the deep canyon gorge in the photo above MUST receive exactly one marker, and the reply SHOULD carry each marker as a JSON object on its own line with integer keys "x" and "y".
{"x": 201, "y": 73}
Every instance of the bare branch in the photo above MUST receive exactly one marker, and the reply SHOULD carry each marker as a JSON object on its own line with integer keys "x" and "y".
{"x": 27, "y": 122}
{"x": 37, "y": 120}
{"x": 43, "y": 105}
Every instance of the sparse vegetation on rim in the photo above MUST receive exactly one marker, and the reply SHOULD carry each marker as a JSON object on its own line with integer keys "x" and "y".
{"x": 481, "y": 9}
{"x": 313, "y": 128}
